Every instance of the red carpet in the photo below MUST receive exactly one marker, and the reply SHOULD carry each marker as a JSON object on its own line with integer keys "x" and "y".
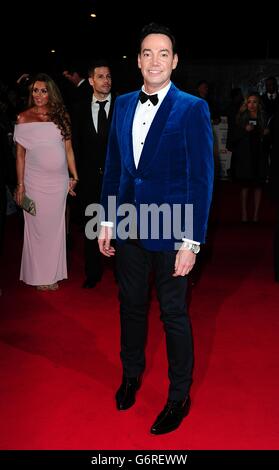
{"x": 59, "y": 353}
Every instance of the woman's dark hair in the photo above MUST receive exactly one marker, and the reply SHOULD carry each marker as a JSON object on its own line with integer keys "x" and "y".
{"x": 57, "y": 110}
{"x": 154, "y": 28}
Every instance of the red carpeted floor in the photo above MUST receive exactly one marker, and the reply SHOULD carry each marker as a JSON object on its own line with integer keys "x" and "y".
{"x": 59, "y": 352}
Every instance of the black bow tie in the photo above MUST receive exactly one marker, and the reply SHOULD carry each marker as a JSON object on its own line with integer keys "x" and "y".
{"x": 143, "y": 97}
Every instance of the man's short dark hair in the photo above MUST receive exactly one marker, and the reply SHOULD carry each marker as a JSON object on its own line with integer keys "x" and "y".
{"x": 77, "y": 67}
{"x": 273, "y": 80}
{"x": 154, "y": 28}
{"x": 98, "y": 63}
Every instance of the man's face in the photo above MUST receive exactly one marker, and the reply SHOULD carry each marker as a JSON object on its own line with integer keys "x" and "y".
{"x": 203, "y": 90}
{"x": 71, "y": 76}
{"x": 270, "y": 86}
{"x": 156, "y": 61}
{"x": 101, "y": 80}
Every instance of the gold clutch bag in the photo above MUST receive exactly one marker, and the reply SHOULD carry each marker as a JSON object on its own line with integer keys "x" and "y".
{"x": 28, "y": 205}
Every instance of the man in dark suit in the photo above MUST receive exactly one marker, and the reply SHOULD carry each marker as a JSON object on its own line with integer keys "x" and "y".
{"x": 81, "y": 89}
{"x": 90, "y": 133}
{"x": 159, "y": 156}
{"x": 76, "y": 89}
{"x": 270, "y": 101}
{"x": 203, "y": 92}
{"x": 270, "y": 98}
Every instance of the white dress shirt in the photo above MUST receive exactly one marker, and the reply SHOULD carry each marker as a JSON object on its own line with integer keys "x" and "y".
{"x": 81, "y": 81}
{"x": 271, "y": 96}
{"x": 95, "y": 108}
{"x": 144, "y": 115}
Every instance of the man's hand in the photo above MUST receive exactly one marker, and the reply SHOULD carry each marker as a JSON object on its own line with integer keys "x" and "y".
{"x": 24, "y": 77}
{"x": 184, "y": 262}
{"x": 104, "y": 241}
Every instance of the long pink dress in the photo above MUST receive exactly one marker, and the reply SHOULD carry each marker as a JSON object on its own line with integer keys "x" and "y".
{"x": 46, "y": 182}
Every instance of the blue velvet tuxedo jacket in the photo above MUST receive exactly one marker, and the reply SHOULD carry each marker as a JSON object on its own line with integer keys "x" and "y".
{"x": 175, "y": 167}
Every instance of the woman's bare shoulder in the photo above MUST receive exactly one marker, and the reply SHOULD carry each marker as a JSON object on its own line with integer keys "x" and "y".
{"x": 25, "y": 116}
{"x": 20, "y": 118}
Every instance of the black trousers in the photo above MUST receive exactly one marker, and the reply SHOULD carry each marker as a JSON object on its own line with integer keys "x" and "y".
{"x": 134, "y": 265}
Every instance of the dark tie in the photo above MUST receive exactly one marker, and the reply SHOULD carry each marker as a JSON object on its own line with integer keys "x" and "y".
{"x": 143, "y": 97}
{"x": 102, "y": 126}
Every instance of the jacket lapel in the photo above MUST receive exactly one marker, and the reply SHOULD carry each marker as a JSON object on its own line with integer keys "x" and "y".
{"x": 127, "y": 144}
{"x": 153, "y": 137}
{"x": 89, "y": 118}
{"x": 111, "y": 108}
{"x": 152, "y": 140}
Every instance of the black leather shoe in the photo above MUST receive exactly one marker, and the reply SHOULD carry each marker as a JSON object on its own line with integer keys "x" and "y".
{"x": 90, "y": 283}
{"x": 171, "y": 416}
{"x": 126, "y": 394}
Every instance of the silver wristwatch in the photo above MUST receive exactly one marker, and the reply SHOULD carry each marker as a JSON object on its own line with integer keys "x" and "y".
{"x": 192, "y": 247}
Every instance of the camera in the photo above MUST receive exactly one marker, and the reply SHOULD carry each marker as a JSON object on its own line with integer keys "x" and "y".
{"x": 253, "y": 122}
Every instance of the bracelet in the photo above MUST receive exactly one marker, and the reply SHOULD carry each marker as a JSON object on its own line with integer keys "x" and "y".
{"x": 75, "y": 179}
{"x": 20, "y": 184}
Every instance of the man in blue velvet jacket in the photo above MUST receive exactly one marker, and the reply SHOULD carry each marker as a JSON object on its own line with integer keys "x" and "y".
{"x": 159, "y": 156}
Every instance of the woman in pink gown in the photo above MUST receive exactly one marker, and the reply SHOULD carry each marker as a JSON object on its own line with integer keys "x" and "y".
{"x": 44, "y": 159}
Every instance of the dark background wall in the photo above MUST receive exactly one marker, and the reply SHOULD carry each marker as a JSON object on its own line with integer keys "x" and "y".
{"x": 222, "y": 75}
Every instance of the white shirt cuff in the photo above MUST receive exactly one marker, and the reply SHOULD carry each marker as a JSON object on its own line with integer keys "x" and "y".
{"x": 107, "y": 224}
{"x": 190, "y": 241}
